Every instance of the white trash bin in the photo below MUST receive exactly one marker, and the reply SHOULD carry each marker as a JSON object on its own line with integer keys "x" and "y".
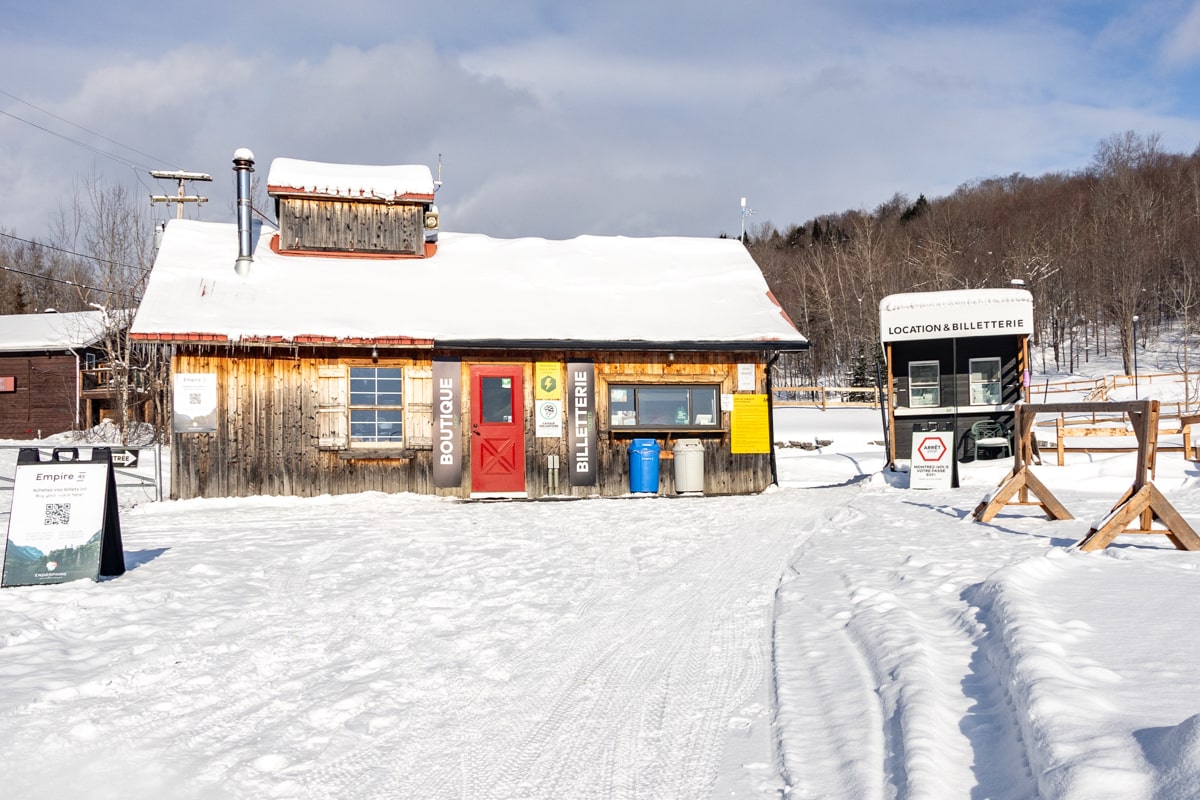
{"x": 689, "y": 465}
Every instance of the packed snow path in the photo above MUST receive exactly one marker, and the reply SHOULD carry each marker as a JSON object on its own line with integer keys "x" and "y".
{"x": 402, "y": 647}
{"x": 885, "y": 688}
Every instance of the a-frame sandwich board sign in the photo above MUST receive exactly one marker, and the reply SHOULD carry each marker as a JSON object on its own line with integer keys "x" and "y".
{"x": 64, "y": 523}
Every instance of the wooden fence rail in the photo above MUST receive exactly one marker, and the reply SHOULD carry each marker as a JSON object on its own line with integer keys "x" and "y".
{"x": 824, "y": 397}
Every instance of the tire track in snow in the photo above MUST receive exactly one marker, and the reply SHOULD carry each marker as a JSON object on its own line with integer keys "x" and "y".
{"x": 894, "y": 681}
{"x": 830, "y": 714}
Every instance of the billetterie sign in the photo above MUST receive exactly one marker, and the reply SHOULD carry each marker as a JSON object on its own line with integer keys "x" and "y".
{"x": 582, "y": 434}
{"x": 955, "y": 315}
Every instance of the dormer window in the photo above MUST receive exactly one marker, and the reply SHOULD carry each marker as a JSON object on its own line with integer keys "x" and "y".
{"x": 352, "y": 210}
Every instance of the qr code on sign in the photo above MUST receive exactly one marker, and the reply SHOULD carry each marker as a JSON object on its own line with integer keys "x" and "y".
{"x": 58, "y": 514}
{"x": 194, "y": 398}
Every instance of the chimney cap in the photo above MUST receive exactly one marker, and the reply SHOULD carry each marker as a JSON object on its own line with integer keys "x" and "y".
{"x": 243, "y": 154}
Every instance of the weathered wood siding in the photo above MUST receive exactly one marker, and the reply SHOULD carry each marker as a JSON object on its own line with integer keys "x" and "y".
{"x": 275, "y": 413}
{"x": 46, "y": 396}
{"x": 350, "y": 226}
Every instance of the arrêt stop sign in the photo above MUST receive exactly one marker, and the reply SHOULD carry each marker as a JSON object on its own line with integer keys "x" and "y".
{"x": 932, "y": 448}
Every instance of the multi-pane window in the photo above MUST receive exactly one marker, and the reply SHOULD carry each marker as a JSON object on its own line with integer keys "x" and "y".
{"x": 376, "y": 405}
{"x": 985, "y": 381}
{"x": 663, "y": 406}
{"x": 923, "y": 384}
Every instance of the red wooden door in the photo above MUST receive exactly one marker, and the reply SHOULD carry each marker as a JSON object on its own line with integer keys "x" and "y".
{"x": 497, "y": 428}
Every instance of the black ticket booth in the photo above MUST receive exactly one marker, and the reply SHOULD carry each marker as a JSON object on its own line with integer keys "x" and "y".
{"x": 956, "y": 361}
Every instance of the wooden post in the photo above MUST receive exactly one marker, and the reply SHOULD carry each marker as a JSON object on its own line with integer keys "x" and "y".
{"x": 1021, "y": 482}
{"x": 891, "y": 409}
{"x": 1186, "y": 422}
{"x": 1142, "y": 502}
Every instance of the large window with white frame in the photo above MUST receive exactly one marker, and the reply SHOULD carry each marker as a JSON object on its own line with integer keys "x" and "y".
{"x": 985, "y": 381}
{"x": 663, "y": 406}
{"x": 924, "y": 384}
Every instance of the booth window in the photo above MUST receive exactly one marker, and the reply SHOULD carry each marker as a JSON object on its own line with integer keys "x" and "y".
{"x": 985, "y": 381}
{"x": 923, "y": 384}
{"x": 663, "y": 406}
{"x": 376, "y": 405}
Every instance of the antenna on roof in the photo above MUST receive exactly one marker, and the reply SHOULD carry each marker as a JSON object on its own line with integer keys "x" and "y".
{"x": 438, "y": 183}
{"x": 745, "y": 213}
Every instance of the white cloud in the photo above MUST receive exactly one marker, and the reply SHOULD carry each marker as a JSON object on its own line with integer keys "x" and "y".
{"x": 1182, "y": 45}
{"x": 555, "y": 120}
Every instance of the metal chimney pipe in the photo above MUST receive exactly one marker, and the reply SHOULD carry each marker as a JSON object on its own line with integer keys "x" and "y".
{"x": 243, "y": 165}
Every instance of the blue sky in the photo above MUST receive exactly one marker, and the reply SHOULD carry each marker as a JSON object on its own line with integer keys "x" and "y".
{"x": 557, "y": 119}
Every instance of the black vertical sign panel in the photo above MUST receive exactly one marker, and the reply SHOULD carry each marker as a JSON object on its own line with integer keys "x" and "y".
{"x": 447, "y": 423}
{"x": 582, "y": 436}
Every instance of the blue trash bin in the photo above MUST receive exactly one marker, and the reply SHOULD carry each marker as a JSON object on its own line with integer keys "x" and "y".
{"x": 643, "y": 465}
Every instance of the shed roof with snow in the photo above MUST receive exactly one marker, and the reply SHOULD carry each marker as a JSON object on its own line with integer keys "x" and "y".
{"x": 50, "y": 331}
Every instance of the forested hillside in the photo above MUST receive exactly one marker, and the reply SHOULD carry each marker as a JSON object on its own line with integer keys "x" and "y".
{"x": 1116, "y": 240}
{"x": 97, "y": 255}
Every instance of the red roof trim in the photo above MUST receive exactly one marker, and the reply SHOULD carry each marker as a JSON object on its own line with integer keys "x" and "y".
{"x": 430, "y": 250}
{"x": 395, "y": 341}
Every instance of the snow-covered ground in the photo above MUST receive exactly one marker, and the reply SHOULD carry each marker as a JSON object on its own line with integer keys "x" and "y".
{"x": 841, "y": 636}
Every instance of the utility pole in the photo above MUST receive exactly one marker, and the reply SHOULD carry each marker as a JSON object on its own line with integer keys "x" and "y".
{"x": 182, "y": 197}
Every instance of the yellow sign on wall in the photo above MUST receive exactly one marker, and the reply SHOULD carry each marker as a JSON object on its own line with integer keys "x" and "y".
{"x": 750, "y": 424}
{"x": 547, "y": 380}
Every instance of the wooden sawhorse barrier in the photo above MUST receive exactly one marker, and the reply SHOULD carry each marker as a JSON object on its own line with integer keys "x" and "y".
{"x": 1141, "y": 503}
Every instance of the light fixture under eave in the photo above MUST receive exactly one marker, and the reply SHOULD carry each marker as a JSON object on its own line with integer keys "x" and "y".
{"x": 374, "y": 355}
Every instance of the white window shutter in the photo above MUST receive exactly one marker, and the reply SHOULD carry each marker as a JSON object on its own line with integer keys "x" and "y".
{"x": 332, "y": 413}
{"x": 418, "y": 407}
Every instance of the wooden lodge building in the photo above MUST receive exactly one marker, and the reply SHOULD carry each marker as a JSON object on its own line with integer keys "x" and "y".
{"x": 356, "y": 348}
{"x": 52, "y": 373}
{"x": 954, "y": 359}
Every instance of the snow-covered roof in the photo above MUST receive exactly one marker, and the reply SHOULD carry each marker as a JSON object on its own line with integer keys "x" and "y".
{"x": 293, "y": 176}
{"x": 590, "y": 289}
{"x": 50, "y": 331}
{"x": 956, "y": 313}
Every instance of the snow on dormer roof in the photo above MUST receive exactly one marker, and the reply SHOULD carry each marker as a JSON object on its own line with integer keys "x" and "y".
{"x": 290, "y": 176}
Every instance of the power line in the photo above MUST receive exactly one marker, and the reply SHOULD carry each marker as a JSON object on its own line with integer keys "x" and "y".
{"x": 84, "y": 145}
{"x": 80, "y": 127}
{"x": 58, "y": 280}
{"x": 73, "y": 253}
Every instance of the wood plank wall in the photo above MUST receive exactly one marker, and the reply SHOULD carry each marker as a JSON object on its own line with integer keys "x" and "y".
{"x": 46, "y": 395}
{"x": 267, "y": 437}
{"x": 348, "y": 227}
